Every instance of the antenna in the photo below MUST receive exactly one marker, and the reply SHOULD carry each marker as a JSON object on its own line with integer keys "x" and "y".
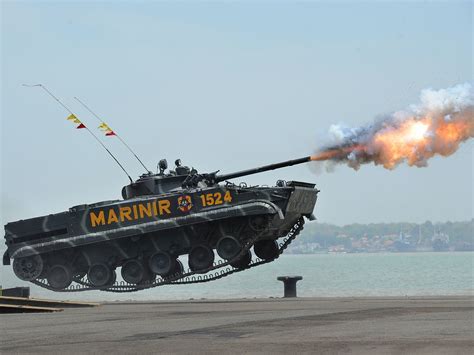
{"x": 88, "y": 130}
{"x": 115, "y": 133}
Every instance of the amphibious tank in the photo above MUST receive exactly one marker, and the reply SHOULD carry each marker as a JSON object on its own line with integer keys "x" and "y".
{"x": 162, "y": 220}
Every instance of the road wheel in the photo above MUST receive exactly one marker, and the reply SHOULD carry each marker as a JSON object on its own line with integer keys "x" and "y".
{"x": 133, "y": 271}
{"x": 28, "y": 268}
{"x": 266, "y": 249}
{"x": 243, "y": 262}
{"x": 59, "y": 277}
{"x": 161, "y": 263}
{"x": 99, "y": 275}
{"x": 201, "y": 257}
{"x": 228, "y": 247}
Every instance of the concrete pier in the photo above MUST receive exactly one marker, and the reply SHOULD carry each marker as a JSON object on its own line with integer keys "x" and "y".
{"x": 420, "y": 325}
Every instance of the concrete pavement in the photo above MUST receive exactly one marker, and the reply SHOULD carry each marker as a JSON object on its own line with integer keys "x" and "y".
{"x": 422, "y": 325}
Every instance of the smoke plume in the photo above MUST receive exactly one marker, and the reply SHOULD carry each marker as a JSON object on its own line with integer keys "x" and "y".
{"x": 437, "y": 125}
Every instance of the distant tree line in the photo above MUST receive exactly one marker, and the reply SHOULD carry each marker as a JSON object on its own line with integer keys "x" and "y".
{"x": 329, "y": 234}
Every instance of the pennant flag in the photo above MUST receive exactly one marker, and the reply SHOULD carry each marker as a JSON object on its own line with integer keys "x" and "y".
{"x": 73, "y": 119}
{"x": 104, "y": 127}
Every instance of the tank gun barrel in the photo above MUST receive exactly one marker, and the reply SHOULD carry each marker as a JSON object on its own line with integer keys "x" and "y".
{"x": 262, "y": 169}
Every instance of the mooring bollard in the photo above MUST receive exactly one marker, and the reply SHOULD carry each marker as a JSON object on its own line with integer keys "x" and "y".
{"x": 289, "y": 283}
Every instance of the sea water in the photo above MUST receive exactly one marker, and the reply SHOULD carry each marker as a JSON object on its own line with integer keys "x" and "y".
{"x": 324, "y": 275}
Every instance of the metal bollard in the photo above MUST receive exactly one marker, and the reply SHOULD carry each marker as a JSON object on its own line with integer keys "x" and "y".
{"x": 289, "y": 282}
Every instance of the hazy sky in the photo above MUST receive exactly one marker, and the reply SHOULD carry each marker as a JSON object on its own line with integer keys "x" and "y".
{"x": 226, "y": 86}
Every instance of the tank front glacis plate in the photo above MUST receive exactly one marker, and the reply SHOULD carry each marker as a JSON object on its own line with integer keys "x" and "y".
{"x": 302, "y": 201}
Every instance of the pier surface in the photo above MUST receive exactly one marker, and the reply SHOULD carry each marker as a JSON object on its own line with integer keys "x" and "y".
{"x": 421, "y": 325}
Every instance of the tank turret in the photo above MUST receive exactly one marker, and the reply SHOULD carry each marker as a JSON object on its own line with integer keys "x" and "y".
{"x": 184, "y": 177}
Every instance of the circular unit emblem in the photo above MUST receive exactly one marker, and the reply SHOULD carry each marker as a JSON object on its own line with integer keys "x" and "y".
{"x": 184, "y": 203}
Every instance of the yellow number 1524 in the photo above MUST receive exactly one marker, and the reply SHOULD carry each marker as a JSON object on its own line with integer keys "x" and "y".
{"x": 215, "y": 198}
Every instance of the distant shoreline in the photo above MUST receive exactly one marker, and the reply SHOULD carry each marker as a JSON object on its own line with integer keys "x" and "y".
{"x": 383, "y": 252}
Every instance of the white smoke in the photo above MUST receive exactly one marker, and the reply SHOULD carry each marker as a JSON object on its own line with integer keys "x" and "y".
{"x": 340, "y": 132}
{"x": 453, "y": 99}
{"x": 452, "y": 106}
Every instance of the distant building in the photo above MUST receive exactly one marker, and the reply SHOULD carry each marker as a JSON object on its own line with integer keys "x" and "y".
{"x": 440, "y": 241}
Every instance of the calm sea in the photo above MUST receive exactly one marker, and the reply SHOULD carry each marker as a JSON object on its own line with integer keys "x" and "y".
{"x": 391, "y": 274}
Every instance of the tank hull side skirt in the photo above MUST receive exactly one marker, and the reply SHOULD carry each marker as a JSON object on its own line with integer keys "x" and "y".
{"x": 246, "y": 209}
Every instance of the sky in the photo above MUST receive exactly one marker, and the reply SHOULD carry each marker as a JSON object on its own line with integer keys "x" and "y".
{"x": 226, "y": 86}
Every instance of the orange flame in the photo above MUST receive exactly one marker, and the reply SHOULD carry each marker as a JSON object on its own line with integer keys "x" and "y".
{"x": 326, "y": 155}
{"x": 336, "y": 153}
{"x": 414, "y": 140}
{"x": 404, "y": 143}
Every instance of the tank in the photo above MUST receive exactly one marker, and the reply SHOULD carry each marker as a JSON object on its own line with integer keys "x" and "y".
{"x": 167, "y": 229}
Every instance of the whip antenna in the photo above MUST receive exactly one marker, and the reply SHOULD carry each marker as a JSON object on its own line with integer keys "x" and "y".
{"x": 110, "y": 132}
{"x": 73, "y": 117}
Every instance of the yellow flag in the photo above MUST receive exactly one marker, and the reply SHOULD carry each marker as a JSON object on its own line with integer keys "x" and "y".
{"x": 103, "y": 126}
{"x": 73, "y": 118}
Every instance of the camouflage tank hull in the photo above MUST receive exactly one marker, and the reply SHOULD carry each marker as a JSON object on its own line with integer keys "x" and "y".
{"x": 146, "y": 235}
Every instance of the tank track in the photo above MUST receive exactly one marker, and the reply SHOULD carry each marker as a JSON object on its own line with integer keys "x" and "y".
{"x": 222, "y": 269}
